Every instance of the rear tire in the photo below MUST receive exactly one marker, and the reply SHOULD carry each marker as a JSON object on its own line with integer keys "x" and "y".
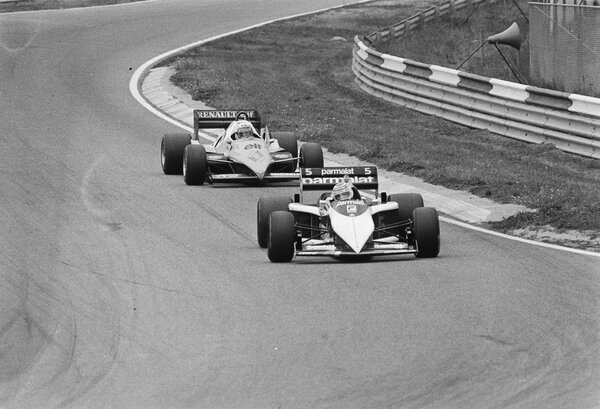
{"x": 427, "y": 232}
{"x": 194, "y": 165}
{"x": 172, "y": 147}
{"x": 281, "y": 237}
{"x": 287, "y": 141}
{"x": 407, "y": 203}
{"x": 266, "y": 206}
{"x": 311, "y": 155}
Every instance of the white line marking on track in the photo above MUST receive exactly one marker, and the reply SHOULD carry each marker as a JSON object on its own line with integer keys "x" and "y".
{"x": 520, "y": 239}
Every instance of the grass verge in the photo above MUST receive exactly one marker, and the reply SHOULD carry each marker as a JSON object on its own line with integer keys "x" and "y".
{"x": 298, "y": 74}
{"x": 28, "y": 5}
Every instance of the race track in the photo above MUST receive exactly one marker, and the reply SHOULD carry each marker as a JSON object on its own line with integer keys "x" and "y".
{"x": 124, "y": 288}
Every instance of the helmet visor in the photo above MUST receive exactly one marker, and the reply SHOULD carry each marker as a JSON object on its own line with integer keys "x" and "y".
{"x": 244, "y": 133}
{"x": 344, "y": 194}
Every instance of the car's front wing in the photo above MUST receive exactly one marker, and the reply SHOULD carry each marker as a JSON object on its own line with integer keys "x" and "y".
{"x": 236, "y": 177}
{"x": 378, "y": 249}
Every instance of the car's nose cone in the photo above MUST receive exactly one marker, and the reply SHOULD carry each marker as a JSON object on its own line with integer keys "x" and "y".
{"x": 355, "y": 231}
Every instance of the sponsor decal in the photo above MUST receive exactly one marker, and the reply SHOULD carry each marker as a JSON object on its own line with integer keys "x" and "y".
{"x": 222, "y": 114}
{"x": 387, "y": 246}
{"x": 344, "y": 171}
{"x": 351, "y": 206}
{"x": 350, "y": 202}
{"x": 320, "y": 247}
{"x": 252, "y": 146}
{"x": 256, "y": 156}
{"x": 334, "y": 180}
{"x": 356, "y": 171}
{"x": 229, "y": 175}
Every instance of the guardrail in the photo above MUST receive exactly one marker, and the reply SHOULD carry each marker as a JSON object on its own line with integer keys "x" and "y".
{"x": 569, "y": 121}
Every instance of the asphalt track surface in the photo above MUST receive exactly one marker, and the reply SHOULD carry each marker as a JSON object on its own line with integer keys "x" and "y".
{"x": 124, "y": 288}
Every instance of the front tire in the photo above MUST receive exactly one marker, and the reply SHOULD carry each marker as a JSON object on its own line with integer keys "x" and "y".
{"x": 427, "y": 232}
{"x": 311, "y": 155}
{"x": 195, "y": 166}
{"x": 281, "y": 237}
{"x": 172, "y": 147}
{"x": 264, "y": 208}
{"x": 407, "y": 203}
{"x": 287, "y": 141}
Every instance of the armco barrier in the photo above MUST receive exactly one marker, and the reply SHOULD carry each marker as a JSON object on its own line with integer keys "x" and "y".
{"x": 569, "y": 121}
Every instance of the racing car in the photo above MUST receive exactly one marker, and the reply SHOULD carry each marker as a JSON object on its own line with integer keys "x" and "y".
{"x": 244, "y": 151}
{"x": 340, "y": 212}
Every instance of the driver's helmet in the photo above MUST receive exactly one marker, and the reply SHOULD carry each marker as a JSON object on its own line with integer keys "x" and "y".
{"x": 244, "y": 130}
{"x": 343, "y": 190}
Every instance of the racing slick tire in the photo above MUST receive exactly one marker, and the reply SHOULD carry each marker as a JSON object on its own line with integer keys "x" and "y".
{"x": 427, "y": 232}
{"x": 287, "y": 141}
{"x": 407, "y": 203}
{"x": 281, "y": 238}
{"x": 194, "y": 165}
{"x": 171, "y": 152}
{"x": 311, "y": 155}
{"x": 266, "y": 206}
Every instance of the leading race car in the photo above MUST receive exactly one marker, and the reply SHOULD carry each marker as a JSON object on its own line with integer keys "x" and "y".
{"x": 348, "y": 217}
{"x": 243, "y": 152}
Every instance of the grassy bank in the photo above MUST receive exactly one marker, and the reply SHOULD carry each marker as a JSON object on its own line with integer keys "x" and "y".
{"x": 298, "y": 74}
{"x": 27, "y": 5}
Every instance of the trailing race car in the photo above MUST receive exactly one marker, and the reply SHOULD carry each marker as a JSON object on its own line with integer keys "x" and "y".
{"x": 348, "y": 217}
{"x": 243, "y": 152}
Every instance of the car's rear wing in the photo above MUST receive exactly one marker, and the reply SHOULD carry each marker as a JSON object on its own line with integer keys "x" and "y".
{"x": 217, "y": 118}
{"x": 364, "y": 178}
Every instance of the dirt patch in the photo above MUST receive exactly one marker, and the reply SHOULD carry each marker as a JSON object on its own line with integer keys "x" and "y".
{"x": 580, "y": 239}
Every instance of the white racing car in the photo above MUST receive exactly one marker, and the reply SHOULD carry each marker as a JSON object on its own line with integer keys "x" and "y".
{"x": 346, "y": 217}
{"x": 243, "y": 152}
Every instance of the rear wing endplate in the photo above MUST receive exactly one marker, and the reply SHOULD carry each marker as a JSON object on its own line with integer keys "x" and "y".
{"x": 218, "y": 119}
